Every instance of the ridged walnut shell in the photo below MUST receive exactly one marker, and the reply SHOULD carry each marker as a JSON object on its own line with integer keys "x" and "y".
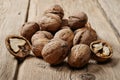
{"x": 55, "y": 9}
{"x": 28, "y": 29}
{"x": 18, "y": 46}
{"x": 66, "y": 35}
{"x": 87, "y": 26}
{"x": 41, "y": 35}
{"x": 85, "y": 36}
{"x": 78, "y": 20}
{"x": 101, "y": 50}
{"x": 79, "y": 56}
{"x": 55, "y": 51}
{"x": 38, "y": 45}
{"x": 50, "y": 22}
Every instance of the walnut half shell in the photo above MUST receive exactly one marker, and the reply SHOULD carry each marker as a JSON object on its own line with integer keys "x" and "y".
{"x": 18, "y": 46}
{"x": 102, "y": 51}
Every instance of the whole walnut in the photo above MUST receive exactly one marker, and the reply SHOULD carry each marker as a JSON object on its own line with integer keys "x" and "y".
{"x": 55, "y": 9}
{"x": 85, "y": 36}
{"x": 79, "y": 56}
{"x": 38, "y": 45}
{"x": 55, "y": 51}
{"x": 28, "y": 29}
{"x": 78, "y": 20}
{"x": 41, "y": 35}
{"x": 39, "y": 39}
{"x": 66, "y": 35}
{"x": 50, "y": 22}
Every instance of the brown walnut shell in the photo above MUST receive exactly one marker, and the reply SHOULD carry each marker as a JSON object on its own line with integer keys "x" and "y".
{"x": 38, "y": 45}
{"x": 87, "y": 26}
{"x": 55, "y": 9}
{"x": 77, "y": 20}
{"x": 64, "y": 22}
{"x": 66, "y": 35}
{"x": 41, "y": 35}
{"x": 85, "y": 36}
{"x": 50, "y": 22}
{"x": 79, "y": 56}
{"x": 28, "y": 29}
{"x": 101, "y": 50}
{"x": 55, "y": 51}
{"x": 18, "y": 46}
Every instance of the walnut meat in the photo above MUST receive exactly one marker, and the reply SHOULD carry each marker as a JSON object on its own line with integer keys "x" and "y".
{"x": 50, "y": 22}
{"x": 55, "y": 9}
{"x": 102, "y": 51}
{"x": 65, "y": 34}
{"x": 18, "y": 46}
{"x": 79, "y": 56}
{"x": 78, "y": 20}
{"x": 28, "y": 29}
{"x": 85, "y": 36}
{"x": 55, "y": 51}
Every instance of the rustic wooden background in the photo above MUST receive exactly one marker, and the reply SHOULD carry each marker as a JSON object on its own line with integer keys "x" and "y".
{"x": 104, "y": 15}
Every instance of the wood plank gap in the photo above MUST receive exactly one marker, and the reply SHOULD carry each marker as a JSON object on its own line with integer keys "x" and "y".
{"x": 109, "y": 21}
{"x": 27, "y": 13}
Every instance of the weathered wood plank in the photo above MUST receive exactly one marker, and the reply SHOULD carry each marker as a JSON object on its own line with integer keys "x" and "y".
{"x": 112, "y": 8}
{"x": 12, "y": 16}
{"x": 36, "y": 69}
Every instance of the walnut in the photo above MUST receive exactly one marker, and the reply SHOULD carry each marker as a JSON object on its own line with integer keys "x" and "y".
{"x": 28, "y": 29}
{"x": 64, "y": 22}
{"x": 78, "y": 20}
{"x": 88, "y": 25}
{"x": 65, "y": 34}
{"x": 102, "y": 51}
{"x": 38, "y": 45}
{"x": 18, "y": 46}
{"x": 39, "y": 39}
{"x": 50, "y": 22}
{"x": 85, "y": 36}
{"x": 41, "y": 35}
{"x": 79, "y": 56}
{"x": 55, "y": 51}
{"x": 55, "y": 9}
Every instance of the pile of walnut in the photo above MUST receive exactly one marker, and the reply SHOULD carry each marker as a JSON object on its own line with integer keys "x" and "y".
{"x": 73, "y": 38}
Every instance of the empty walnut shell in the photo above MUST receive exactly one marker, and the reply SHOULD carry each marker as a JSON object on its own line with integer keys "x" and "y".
{"x": 41, "y": 35}
{"x": 18, "y": 46}
{"x": 38, "y": 45}
{"x": 28, "y": 29}
{"x": 50, "y": 22}
{"x": 101, "y": 50}
{"x": 55, "y": 51}
{"x": 79, "y": 56}
{"x": 85, "y": 36}
{"x": 55, "y": 9}
{"x": 78, "y": 20}
{"x": 66, "y": 35}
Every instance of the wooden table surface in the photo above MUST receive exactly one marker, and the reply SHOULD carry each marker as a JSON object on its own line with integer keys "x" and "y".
{"x": 104, "y": 16}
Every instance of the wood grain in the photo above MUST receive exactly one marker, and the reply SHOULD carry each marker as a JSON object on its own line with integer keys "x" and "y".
{"x": 12, "y": 16}
{"x": 36, "y": 69}
{"x": 111, "y": 9}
